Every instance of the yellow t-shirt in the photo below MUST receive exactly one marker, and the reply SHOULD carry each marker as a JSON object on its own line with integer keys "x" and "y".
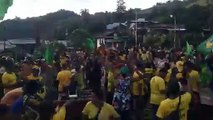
{"x": 31, "y": 77}
{"x": 9, "y": 79}
{"x": 144, "y": 57}
{"x": 168, "y": 75}
{"x": 64, "y": 78}
{"x": 169, "y": 105}
{"x": 135, "y": 84}
{"x": 111, "y": 81}
{"x": 179, "y": 65}
{"x": 193, "y": 80}
{"x": 107, "y": 111}
{"x": 61, "y": 114}
{"x": 149, "y": 70}
{"x": 157, "y": 84}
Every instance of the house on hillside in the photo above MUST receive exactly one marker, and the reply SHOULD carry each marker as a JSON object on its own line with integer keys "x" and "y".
{"x": 143, "y": 27}
{"x": 25, "y": 44}
{"x": 116, "y": 35}
{"x": 138, "y": 28}
{"x": 124, "y": 34}
{"x": 5, "y": 45}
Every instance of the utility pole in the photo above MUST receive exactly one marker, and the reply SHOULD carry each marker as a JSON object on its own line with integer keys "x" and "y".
{"x": 5, "y": 37}
{"x": 66, "y": 34}
{"x": 136, "y": 28}
{"x": 175, "y": 28}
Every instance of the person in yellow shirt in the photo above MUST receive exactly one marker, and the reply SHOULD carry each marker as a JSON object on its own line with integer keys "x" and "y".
{"x": 144, "y": 56}
{"x": 193, "y": 79}
{"x": 158, "y": 88}
{"x": 97, "y": 109}
{"x": 138, "y": 92}
{"x": 63, "y": 59}
{"x": 110, "y": 85}
{"x": 149, "y": 72}
{"x": 60, "y": 114}
{"x": 9, "y": 78}
{"x": 176, "y": 101}
{"x": 177, "y": 71}
{"x": 64, "y": 78}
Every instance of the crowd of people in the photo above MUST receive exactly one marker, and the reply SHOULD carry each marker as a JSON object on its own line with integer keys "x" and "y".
{"x": 120, "y": 85}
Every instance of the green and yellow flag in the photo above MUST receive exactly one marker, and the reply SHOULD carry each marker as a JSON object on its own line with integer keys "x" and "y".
{"x": 206, "y": 47}
{"x": 4, "y": 5}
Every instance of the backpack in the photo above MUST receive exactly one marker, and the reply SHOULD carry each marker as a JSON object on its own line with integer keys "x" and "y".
{"x": 28, "y": 113}
{"x": 175, "y": 115}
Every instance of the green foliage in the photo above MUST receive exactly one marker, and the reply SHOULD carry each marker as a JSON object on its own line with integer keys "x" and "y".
{"x": 54, "y": 26}
{"x": 155, "y": 39}
{"x": 79, "y": 38}
{"x": 121, "y": 8}
{"x": 59, "y": 47}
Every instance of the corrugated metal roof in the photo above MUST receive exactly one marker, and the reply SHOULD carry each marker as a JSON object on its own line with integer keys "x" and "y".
{"x": 7, "y": 45}
{"x": 22, "y": 41}
{"x": 111, "y": 26}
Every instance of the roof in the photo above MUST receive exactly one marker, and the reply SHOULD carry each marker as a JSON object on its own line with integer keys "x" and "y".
{"x": 112, "y": 26}
{"x": 7, "y": 45}
{"x": 177, "y": 29}
{"x": 140, "y": 20}
{"x": 22, "y": 41}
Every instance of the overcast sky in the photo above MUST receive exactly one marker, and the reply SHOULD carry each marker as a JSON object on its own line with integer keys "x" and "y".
{"x": 31, "y": 8}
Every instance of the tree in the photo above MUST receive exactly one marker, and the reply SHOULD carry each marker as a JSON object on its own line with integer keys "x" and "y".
{"x": 85, "y": 15}
{"x": 121, "y": 8}
{"x": 79, "y": 38}
{"x": 155, "y": 39}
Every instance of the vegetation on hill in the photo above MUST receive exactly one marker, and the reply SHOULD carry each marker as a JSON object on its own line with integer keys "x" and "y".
{"x": 60, "y": 25}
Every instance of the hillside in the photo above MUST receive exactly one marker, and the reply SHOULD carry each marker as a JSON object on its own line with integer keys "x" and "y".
{"x": 55, "y": 25}
{"x": 200, "y": 3}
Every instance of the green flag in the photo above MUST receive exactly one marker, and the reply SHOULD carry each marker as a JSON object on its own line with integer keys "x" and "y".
{"x": 4, "y": 5}
{"x": 49, "y": 54}
{"x": 206, "y": 47}
{"x": 90, "y": 44}
{"x": 188, "y": 49}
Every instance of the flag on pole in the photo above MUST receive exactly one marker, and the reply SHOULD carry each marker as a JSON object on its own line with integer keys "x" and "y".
{"x": 206, "y": 47}
{"x": 4, "y": 5}
{"x": 49, "y": 54}
{"x": 90, "y": 44}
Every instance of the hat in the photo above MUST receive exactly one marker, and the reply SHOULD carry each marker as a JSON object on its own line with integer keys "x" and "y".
{"x": 124, "y": 70}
